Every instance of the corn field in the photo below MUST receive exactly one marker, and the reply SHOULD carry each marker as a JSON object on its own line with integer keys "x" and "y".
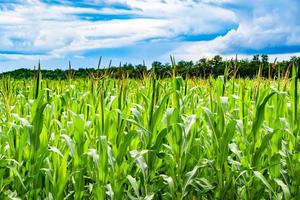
{"x": 175, "y": 138}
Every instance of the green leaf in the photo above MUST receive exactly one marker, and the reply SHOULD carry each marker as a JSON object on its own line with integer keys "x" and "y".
{"x": 284, "y": 188}
{"x": 264, "y": 180}
{"x": 134, "y": 185}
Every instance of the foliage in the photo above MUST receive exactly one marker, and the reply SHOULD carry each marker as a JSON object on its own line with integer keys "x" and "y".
{"x": 203, "y": 68}
{"x": 87, "y": 138}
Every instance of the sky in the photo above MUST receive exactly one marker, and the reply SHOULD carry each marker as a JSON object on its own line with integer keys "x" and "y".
{"x": 130, "y": 31}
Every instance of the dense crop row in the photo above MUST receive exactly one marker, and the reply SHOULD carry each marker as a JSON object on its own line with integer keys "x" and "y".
{"x": 150, "y": 139}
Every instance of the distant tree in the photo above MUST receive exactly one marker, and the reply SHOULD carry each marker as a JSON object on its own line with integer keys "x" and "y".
{"x": 255, "y": 58}
{"x": 264, "y": 59}
{"x": 202, "y": 68}
{"x": 216, "y": 65}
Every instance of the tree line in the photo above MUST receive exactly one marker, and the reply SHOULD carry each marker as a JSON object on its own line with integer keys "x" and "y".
{"x": 203, "y": 68}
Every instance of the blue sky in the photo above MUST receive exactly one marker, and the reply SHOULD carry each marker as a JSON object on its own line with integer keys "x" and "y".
{"x": 136, "y": 30}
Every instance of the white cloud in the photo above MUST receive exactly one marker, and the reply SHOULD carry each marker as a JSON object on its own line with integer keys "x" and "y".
{"x": 267, "y": 24}
{"x": 57, "y": 31}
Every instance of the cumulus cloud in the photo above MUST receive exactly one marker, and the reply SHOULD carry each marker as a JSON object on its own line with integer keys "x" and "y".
{"x": 51, "y": 29}
{"x": 264, "y": 27}
{"x": 57, "y": 29}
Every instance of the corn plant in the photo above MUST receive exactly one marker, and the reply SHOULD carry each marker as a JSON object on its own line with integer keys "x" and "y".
{"x": 175, "y": 138}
